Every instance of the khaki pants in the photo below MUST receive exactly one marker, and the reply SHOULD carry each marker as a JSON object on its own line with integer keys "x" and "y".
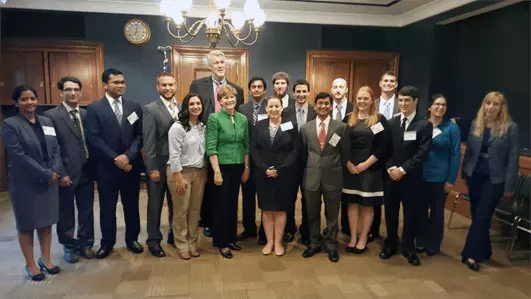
{"x": 186, "y": 208}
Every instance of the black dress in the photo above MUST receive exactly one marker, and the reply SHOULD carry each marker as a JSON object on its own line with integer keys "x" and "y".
{"x": 366, "y": 188}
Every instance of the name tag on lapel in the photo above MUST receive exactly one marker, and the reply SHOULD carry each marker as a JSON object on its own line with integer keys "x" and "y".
{"x": 50, "y": 131}
{"x": 410, "y": 135}
{"x": 286, "y": 126}
{"x": 261, "y": 117}
{"x": 436, "y": 132}
{"x": 334, "y": 140}
{"x": 377, "y": 128}
{"x": 132, "y": 118}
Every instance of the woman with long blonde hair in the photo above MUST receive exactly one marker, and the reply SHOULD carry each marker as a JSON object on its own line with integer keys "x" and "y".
{"x": 370, "y": 141}
{"x": 490, "y": 168}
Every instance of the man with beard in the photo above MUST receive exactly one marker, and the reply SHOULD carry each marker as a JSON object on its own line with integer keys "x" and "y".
{"x": 159, "y": 115}
{"x": 280, "y": 90}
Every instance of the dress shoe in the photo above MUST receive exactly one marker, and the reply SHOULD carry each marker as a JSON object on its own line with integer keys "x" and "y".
{"x": 226, "y": 254}
{"x": 420, "y": 249}
{"x": 474, "y": 266}
{"x": 267, "y": 250}
{"x": 387, "y": 253}
{"x": 325, "y": 231}
{"x": 412, "y": 258}
{"x": 333, "y": 256}
{"x": 195, "y": 253}
{"x": 135, "y": 247}
{"x": 35, "y": 277}
{"x": 207, "y": 232}
{"x": 103, "y": 252}
{"x": 234, "y": 246}
{"x": 70, "y": 255}
{"x": 245, "y": 235}
{"x": 261, "y": 241}
{"x": 311, "y": 251}
{"x": 279, "y": 250}
{"x": 157, "y": 251}
{"x": 87, "y": 253}
{"x": 372, "y": 236}
{"x": 305, "y": 241}
{"x": 52, "y": 271}
{"x": 355, "y": 250}
{"x": 185, "y": 255}
{"x": 288, "y": 237}
{"x": 430, "y": 252}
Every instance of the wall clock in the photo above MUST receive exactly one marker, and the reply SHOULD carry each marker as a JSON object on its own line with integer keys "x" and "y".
{"x": 137, "y": 32}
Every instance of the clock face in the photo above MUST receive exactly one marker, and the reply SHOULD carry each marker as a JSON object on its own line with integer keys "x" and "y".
{"x": 137, "y": 32}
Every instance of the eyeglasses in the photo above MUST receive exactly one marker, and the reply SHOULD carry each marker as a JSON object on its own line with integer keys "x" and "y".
{"x": 72, "y": 90}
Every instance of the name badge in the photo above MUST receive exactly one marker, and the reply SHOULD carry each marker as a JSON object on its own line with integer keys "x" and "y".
{"x": 334, "y": 140}
{"x": 377, "y": 128}
{"x": 436, "y": 132}
{"x": 261, "y": 117}
{"x": 50, "y": 131}
{"x": 132, "y": 118}
{"x": 410, "y": 135}
{"x": 286, "y": 126}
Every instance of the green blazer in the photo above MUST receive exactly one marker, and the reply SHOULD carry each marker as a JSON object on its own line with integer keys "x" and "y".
{"x": 230, "y": 142}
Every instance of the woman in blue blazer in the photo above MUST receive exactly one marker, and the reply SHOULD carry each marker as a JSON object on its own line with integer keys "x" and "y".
{"x": 34, "y": 166}
{"x": 440, "y": 172}
{"x": 490, "y": 168}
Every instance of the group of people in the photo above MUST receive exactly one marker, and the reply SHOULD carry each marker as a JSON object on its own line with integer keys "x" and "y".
{"x": 354, "y": 155}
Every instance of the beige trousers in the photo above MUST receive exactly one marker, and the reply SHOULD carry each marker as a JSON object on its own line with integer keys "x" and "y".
{"x": 187, "y": 207}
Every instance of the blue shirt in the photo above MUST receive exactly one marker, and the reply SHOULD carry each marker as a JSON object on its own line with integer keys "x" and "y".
{"x": 215, "y": 83}
{"x": 444, "y": 154}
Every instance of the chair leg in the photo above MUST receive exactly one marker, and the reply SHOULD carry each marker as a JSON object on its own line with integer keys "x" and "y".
{"x": 453, "y": 210}
{"x": 514, "y": 235}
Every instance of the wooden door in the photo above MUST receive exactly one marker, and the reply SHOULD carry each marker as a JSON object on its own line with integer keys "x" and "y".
{"x": 190, "y": 63}
{"x": 80, "y": 65}
{"x": 21, "y": 67}
{"x": 357, "y": 68}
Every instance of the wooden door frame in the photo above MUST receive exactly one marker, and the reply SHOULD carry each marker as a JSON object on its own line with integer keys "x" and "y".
{"x": 178, "y": 52}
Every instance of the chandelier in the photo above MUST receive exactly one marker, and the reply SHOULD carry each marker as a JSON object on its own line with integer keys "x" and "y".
{"x": 215, "y": 24}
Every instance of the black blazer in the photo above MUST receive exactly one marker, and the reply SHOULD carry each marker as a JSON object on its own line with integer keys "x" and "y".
{"x": 410, "y": 155}
{"x": 205, "y": 88}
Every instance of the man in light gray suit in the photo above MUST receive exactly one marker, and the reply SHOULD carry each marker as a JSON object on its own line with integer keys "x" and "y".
{"x": 324, "y": 155}
{"x": 77, "y": 184}
{"x": 159, "y": 115}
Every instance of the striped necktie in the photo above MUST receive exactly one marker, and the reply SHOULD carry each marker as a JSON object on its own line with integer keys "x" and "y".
{"x": 117, "y": 111}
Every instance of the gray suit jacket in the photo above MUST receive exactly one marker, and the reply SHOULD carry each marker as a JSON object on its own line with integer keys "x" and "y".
{"x": 396, "y": 108}
{"x": 156, "y": 123}
{"x": 504, "y": 156}
{"x": 323, "y": 167}
{"x": 68, "y": 140}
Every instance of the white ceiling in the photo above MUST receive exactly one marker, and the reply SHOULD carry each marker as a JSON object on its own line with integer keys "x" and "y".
{"x": 340, "y": 12}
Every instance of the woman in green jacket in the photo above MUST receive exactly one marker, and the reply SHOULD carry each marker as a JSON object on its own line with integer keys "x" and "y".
{"x": 228, "y": 151}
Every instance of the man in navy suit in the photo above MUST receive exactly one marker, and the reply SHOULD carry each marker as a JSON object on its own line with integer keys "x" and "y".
{"x": 77, "y": 184}
{"x": 114, "y": 132}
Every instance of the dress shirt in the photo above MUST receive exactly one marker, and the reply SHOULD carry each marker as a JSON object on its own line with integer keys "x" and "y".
{"x": 214, "y": 85}
{"x": 187, "y": 149}
{"x": 285, "y": 100}
{"x": 302, "y": 114}
{"x": 318, "y": 123}
{"x": 384, "y": 103}
{"x": 173, "y": 112}
{"x": 78, "y": 115}
{"x": 409, "y": 119}
{"x": 111, "y": 102}
{"x": 343, "y": 109}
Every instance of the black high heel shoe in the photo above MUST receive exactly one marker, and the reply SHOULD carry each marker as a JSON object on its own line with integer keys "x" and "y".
{"x": 36, "y": 277}
{"x": 472, "y": 266}
{"x": 51, "y": 271}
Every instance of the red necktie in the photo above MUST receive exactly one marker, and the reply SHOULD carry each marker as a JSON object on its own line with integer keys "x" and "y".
{"x": 217, "y": 106}
{"x": 322, "y": 135}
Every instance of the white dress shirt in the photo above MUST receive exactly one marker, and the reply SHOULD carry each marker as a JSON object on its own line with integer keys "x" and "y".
{"x": 174, "y": 112}
{"x": 384, "y": 103}
{"x": 111, "y": 102}
{"x": 285, "y": 100}
{"x": 326, "y": 123}
{"x": 187, "y": 149}
{"x": 409, "y": 119}
{"x": 343, "y": 109}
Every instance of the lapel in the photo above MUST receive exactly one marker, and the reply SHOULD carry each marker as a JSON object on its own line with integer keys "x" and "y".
{"x": 49, "y": 149}
{"x": 110, "y": 113}
{"x": 164, "y": 110}
{"x": 67, "y": 119}
{"x": 277, "y": 138}
{"x": 24, "y": 122}
{"x": 414, "y": 121}
{"x": 313, "y": 134}
{"x": 491, "y": 138}
{"x": 126, "y": 111}
{"x": 209, "y": 91}
{"x": 330, "y": 133}
{"x": 310, "y": 113}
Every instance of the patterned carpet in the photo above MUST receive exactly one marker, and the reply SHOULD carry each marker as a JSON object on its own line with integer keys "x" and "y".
{"x": 254, "y": 276}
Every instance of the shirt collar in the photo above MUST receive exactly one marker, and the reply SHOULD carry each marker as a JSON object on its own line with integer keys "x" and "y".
{"x": 326, "y": 121}
{"x": 222, "y": 82}
{"x": 343, "y": 103}
{"x": 68, "y": 108}
{"x": 167, "y": 103}
{"x": 285, "y": 98}
{"x": 111, "y": 99}
{"x": 390, "y": 101}
{"x": 304, "y": 106}
{"x": 259, "y": 102}
{"x": 409, "y": 117}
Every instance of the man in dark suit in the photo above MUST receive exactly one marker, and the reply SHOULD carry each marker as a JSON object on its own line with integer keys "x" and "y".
{"x": 159, "y": 115}
{"x": 254, "y": 111}
{"x": 322, "y": 151}
{"x": 208, "y": 88}
{"x": 77, "y": 184}
{"x": 304, "y": 113}
{"x": 280, "y": 90}
{"x": 114, "y": 132}
{"x": 411, "y": 140}
{"x": 387, "y": 105}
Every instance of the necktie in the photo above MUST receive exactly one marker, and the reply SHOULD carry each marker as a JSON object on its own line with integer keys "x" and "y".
{"x": 300, "y": 118}
{"x": 255, "y": 113}
{"x": 117, "y": 112}
{"x": 387, "y": 111}
{"x": 217, "y": 105}
{"x": 322, "y": 135}
{"x": 338, "y": 113}
{"x": 172, "y": 113}
{"x": 404, "y": 120}
{"x": 80, "y": 139}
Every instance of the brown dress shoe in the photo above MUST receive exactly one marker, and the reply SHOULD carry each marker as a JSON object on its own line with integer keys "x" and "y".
{"x": 195, "y": 253}
{"x": 185, "y": 255}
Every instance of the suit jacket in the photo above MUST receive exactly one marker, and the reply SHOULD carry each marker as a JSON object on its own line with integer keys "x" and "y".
{"x": 26, "y": 161}
{"x": 310, "y": 115}
{"x": 350, "y": 108}
{"x": 410, "y": 155}
{"x": 68, "y": 139}
{"x": 156, "y": 123}
{"x": 504, "y": 155}
{"x": 291, "y": 104}
{"x": 205, "y": 88}
{"x": 323, "y": 167}
{"x": 247, "y": 110}
{"x": 107, "y": 139}
{"x": 396, "y": 108}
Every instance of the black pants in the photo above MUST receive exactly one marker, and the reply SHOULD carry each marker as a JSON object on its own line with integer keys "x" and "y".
{"x": 128, "y": 186}
{"x": 249, "y": 204}
{"x": 404, "y": 192}
{"x": 345, "y": 226}
{"x": 484, "y": 197}
{"x": 376, "y": 221}
{"x": 83, "y": 197}
{"x": 206, "y": 206}
{"x": 225, "y": 205}
{"x": 431, "y": 216}
{"x": 157, "y": 191}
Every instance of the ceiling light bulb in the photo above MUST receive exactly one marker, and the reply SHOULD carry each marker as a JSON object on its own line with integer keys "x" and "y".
{"x": 259, "y": 18}
{"x": 222, "y": 4}
{"x": 185, "y": 5}
{"x": 177, "y": 17}
{"x": 238, "y": 20}
{"x": 212, "y": 20}
{"x": 251, "y": 8}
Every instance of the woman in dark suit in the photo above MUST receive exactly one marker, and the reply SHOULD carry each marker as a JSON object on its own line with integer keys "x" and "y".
{"x": 490, "y": 168}
{"x": 274, "y": 151}
{"x": 34, "y": 167}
